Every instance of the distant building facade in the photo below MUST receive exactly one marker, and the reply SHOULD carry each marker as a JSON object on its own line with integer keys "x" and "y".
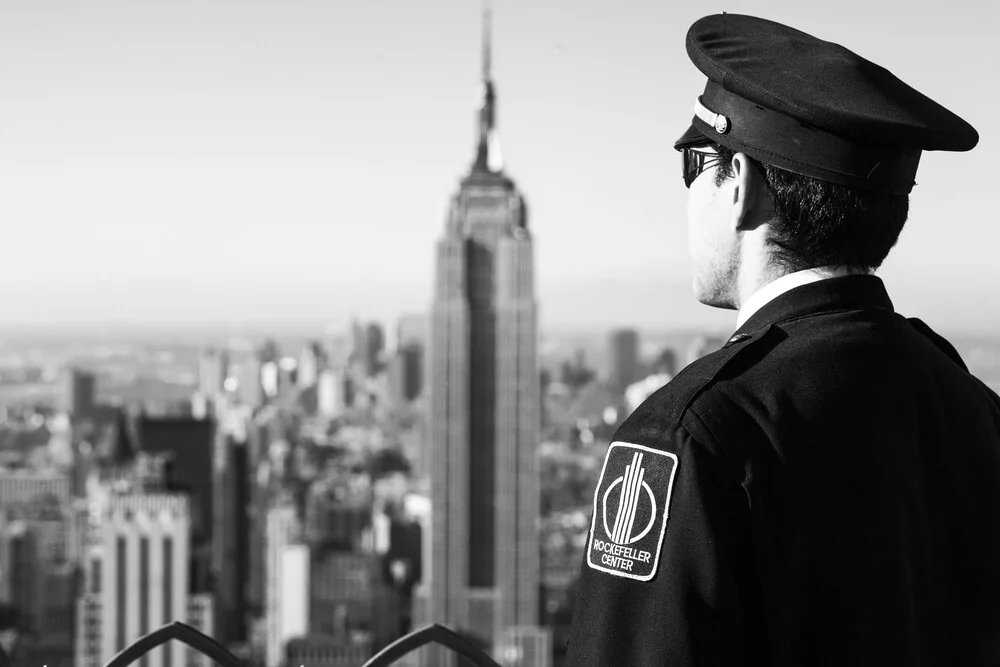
{"x": 283, "y": 530}
{"x": 331, "y": 393}
{"x": 311, "y": 362}
{"x": 77, "y": 392}
{"x": 135, "y": 578}
{"x": 412, "y": 329}
{"x": 213, "y": 368}
{"x": 406, "y": 373}
{"x": 484, "y": 403}
{"x": 623, "y": 358}
{"x": 201, "y": 616}
{"x": 230, "y": 536}
{"x": 37, "y": 580}
{"x": 327, "y": 651}
{"x": 24, "y": 489}
{"x": 187, "y": 444}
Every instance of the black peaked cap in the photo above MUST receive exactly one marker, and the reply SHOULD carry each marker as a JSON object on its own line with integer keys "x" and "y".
{"x": 813, "y": 107}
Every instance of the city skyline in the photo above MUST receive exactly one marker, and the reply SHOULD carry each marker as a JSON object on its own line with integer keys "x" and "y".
{"x": 165, "y": 164}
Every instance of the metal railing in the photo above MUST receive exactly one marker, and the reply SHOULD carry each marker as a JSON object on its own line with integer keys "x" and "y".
{"x": 182, "y": 632}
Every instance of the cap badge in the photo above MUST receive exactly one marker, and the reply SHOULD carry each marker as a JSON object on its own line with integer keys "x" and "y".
{"x": 716, "y": 120}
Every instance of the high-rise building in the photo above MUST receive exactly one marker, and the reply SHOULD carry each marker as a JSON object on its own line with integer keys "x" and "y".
{"x": 337, "y": 518}
{"x": 374, "y": 345}
{"x": 89, "y": 630}
{"x": 666, "y": 362}
{"x": 406, "y": 373}
{"x": 281, "y": 600}
{"x": 201, "y": 616}
{"x": 264, "y": 428}
{"x": 368, "y": 342}
{"x": 213, "y": 367}
{"x": 135, "y": 580}
{"x": 250, "y": 381}
{"x": 230, "y": 536}
{"x": 20, "y": 583}
{"x": 411, "y": 329}
{"x": 37, "y": 577}
{"x": 77, "y": 390}
{"x": 331, "y": 393}
{"x": 311, "y": 362}
{"x": 484, "y": 408}
{"x": 350, "y": 597}
{"x": 187, "y": 445}
{"x": 53, "y": 644}
{"x": 623, "y": 358}
{"x": 337, "y": 346}
{"x": 138, "y": 573}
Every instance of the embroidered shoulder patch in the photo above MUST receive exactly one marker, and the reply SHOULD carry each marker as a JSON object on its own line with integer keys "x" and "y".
{"x": 630, "y": 511}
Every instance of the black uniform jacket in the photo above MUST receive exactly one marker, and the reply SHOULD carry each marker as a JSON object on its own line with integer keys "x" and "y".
{"x": 823, "y": 490}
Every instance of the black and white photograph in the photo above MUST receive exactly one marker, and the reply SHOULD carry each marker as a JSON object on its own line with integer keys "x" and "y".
{"x": 499, "y": 333}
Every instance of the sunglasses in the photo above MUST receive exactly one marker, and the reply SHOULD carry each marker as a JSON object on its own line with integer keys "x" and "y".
{"x": 694, "y": 162}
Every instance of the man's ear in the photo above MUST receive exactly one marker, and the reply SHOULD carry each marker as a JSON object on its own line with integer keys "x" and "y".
{"x": 748, "y": 192}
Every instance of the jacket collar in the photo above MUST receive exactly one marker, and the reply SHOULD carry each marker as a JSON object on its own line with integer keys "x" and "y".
{"x": 855, "y": 292}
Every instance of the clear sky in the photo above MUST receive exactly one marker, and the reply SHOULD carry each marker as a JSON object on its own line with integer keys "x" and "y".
{"x": 209, "y": 160}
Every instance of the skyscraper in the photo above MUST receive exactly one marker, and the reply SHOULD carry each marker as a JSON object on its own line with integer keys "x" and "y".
{"x": 311, "y": 362}
{"x": 623, "y": 358}
{"x": 283, "y": 603}
{"x": 230, "y": 534}
{"x": 37, "y": 578}
{"x": 142, "y": 572}
{"x": 406, "y": 373}
{"x": 213, "y": 366}
{"x": 77, "y": 390}
{"x": 186, "y": 447}
{"x": 368, "y": 344}
{"x": 484, "y": 408}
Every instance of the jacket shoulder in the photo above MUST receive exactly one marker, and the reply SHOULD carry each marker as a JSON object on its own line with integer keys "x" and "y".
{"x": 671, "y": 404}
{"x": 939, "y": 341}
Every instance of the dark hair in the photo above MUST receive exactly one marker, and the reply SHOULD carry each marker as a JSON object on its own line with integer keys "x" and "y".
{"x": 819, "y": 223}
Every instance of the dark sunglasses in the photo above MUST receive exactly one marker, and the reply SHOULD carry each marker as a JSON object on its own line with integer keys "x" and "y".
{"x": 694, "y": 162}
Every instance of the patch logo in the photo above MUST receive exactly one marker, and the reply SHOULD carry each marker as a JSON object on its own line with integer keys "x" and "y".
{"x": 630, "y": 511}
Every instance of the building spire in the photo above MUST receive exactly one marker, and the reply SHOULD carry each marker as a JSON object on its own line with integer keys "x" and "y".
{"x": 488, "y": 156}
{"x": 487, "y": 40}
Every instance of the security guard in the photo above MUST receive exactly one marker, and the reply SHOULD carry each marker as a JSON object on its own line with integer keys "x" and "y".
{"x": 825, "y": 489}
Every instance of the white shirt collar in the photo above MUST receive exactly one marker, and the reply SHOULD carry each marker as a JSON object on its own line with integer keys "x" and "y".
{"x": 787, "y": 282}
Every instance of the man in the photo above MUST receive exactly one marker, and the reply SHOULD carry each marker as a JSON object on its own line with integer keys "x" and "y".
{"x": 825, "y": 489}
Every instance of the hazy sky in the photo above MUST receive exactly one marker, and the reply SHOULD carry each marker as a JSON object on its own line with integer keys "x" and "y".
{"x": 292, "y": 160}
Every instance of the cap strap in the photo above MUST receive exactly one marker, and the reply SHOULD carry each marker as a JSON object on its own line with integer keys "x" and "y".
{"x": 717, "y": 121}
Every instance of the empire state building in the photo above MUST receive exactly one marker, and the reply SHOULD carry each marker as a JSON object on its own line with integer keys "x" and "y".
{"x": 484, "y": 404}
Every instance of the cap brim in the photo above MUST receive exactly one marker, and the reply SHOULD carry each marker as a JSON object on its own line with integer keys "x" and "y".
{"x": 693, "y": 137}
